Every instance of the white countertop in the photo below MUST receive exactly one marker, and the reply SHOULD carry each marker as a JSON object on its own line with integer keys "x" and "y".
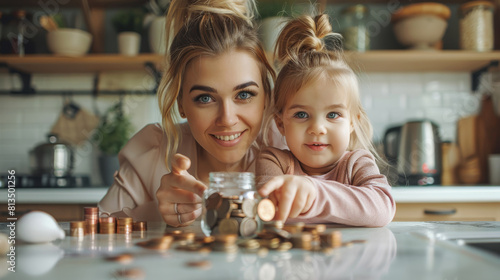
{"x": 401, "y": 250}
{"x": 401, "y": 195}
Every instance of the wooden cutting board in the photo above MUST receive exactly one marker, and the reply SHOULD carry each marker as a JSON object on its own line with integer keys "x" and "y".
{"x": 488, "y": 135}
{"x": 466, "y": 136}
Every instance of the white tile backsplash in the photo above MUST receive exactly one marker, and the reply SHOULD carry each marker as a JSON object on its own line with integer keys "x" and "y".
{"x": 389, "y": 99}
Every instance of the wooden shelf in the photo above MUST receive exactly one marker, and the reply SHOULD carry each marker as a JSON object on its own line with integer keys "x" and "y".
{"x": 94, "y": 63}
{"x": 372, "y": 61}
{"x": 73, "y": 3}
{"x": 420, "y": 61}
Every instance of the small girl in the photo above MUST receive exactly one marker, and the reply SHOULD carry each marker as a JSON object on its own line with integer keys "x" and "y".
{"x": 329, "y": 175}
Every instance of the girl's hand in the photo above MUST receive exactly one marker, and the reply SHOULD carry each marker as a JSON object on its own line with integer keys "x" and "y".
{"x": 181, "y": 188}
{"x": 292, "y": 194}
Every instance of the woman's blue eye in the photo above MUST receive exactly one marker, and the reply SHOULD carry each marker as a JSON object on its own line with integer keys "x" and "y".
{"x": 204, "y": 98}
{"x": 301, "y": 115}
{"x": 332, "y": 115}
{"x": 245, "y": 95}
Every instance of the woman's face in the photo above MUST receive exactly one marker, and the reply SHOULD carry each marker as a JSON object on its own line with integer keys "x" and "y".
{"x": 223, "y": 100}
{"x": 316, "y": 125}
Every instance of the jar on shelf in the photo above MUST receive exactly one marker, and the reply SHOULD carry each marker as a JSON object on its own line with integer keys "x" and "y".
{"x": 476, "y": 26}
{"x": 230, "y": 205}
{"x": 354, "y": 31}
{"x": 13, "y": 36}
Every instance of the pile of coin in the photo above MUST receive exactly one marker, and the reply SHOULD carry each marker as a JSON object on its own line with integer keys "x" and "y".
{"x": 105, "y": 225}
{"x": 234, "y": 215}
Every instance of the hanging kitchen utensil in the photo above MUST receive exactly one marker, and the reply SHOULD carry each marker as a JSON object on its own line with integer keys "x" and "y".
{"x": 75, "y": 124}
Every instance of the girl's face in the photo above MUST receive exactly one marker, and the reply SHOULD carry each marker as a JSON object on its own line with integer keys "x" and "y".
{"x": 316, "y": 125}
{"x": 223, "y": 100}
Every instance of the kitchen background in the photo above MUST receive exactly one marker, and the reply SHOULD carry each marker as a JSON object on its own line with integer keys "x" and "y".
{"x": 390, "y": 98}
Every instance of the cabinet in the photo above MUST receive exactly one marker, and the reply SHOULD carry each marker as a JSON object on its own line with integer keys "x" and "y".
{"x": 463, "y": 211}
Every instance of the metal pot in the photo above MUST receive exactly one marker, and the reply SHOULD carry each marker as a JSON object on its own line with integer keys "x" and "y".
{"x": 54, "y": 157}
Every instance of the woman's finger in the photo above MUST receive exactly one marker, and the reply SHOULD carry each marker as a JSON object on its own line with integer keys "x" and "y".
{"x": 180, "y": 163}
{"x": 185, "y": 219}
{"x": 184, "y": 182}
{"x": 183, "y": 208}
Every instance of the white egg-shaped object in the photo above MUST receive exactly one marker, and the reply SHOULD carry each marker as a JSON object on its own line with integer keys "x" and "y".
{"x": 38, "y": 227}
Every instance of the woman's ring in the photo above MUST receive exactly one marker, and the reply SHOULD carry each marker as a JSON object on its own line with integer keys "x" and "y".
{"x": 179, "y": 218}
{"x": 175, "y": 208}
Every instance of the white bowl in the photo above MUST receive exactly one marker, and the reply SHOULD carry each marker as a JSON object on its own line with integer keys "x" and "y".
{"x": 421, "y": 25}
{"x": 69, "y": 42}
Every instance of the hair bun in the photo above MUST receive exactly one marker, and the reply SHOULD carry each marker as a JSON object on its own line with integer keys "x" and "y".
{"x": 306, "y": 34}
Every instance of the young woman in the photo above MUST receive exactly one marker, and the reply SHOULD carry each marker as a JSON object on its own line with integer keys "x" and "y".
{"x": 219, "y": 80}
{"x": 329, "y": 174}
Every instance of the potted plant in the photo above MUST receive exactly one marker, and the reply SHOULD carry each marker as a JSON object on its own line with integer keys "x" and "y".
{"x": 111, "y": 135}
{"x": 273, "y": 16}
{"x": 128, "y": 25}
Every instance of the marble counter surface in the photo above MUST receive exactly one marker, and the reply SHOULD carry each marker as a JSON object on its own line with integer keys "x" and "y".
{"x": 401, "y": 250}
{"x": 401, "y": 194}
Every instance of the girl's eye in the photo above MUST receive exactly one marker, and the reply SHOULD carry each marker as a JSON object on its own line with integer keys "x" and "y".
{"x": 301, "y": 115}
{"x": 244, "y": 95}
{"x": 204, "y": 98}
{"x": 332, "y": 115}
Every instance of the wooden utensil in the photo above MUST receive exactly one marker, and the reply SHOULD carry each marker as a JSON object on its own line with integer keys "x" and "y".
{"x": 48, "y": 23}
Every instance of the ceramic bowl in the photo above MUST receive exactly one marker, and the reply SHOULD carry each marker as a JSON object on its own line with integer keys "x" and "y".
{"x": 69, "y": 42}
{"x": 422, "y": 25}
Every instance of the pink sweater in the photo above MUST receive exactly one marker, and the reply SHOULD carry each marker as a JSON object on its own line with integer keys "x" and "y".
{"x": 352, "y": 193}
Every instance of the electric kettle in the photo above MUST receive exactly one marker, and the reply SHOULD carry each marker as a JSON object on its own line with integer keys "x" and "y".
{"x": 415, "y": 149}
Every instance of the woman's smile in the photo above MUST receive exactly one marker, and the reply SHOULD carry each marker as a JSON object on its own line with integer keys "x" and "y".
{"x": 228, "y": 139}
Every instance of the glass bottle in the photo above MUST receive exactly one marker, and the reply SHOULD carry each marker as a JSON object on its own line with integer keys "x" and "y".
{"x": 476, "y": 26}
{"x": 354, "y": 31}
{"x": 230, "y": 205}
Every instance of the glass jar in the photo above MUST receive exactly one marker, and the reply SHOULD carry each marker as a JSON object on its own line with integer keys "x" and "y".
{"x": 230, "y": 205}
{"x": 476, "y": 26}
{"x": 354, "y": 31}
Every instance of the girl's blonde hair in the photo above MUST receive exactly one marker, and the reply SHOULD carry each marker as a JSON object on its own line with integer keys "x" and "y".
{"x": 307, "y": 49}
{"x": 204, "y": 28}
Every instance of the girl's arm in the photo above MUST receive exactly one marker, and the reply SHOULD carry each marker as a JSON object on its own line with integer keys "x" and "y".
{"x": 365, "y": 200}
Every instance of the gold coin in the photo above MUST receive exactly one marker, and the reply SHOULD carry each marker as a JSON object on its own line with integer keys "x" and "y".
{"x": 248, "y": 207}
{"x": 205, "y": 264}
{"x": 131, "y": 273}
{"x": 228, "y": 226}
{"x": 266, "y": 210}
{"x": 122, "y": 258}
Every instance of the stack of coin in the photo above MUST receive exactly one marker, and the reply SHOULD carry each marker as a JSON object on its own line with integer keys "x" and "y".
{"x": 331, "y": 239}
{"x": 232, "y": 215}
{"x": 124, "y": 225}
{"x": 225, "y": 243}
{"x": 107, "y": 225}
{"x": 140, "y": 226}
{"x": 302, "y": 240}
{"x": 77, "y": 228}
{"x": 91, "y": 215}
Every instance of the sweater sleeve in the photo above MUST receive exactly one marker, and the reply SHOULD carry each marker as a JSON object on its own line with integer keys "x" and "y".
{"x": 133, "y": 192}
{"x": 357, "y": 194}
{"x": 271, "y": 162}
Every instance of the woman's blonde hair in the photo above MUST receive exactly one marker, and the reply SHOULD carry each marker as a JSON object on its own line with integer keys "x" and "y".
{"x": 208, "y": 28}
{"x": 306, "y": 50}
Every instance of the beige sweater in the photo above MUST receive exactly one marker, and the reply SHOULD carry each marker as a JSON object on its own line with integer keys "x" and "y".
{"x": 352, "y": 193}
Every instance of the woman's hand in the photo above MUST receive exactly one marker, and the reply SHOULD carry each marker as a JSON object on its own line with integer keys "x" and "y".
{"x": 292, "y": 194}
{"x": 181, "y": 188}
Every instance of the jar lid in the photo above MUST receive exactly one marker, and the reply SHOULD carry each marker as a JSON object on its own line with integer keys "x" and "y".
{"x": 425, "y": 8}
{"x": 355, "y": 9}
{"x": 472, "y": 4}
